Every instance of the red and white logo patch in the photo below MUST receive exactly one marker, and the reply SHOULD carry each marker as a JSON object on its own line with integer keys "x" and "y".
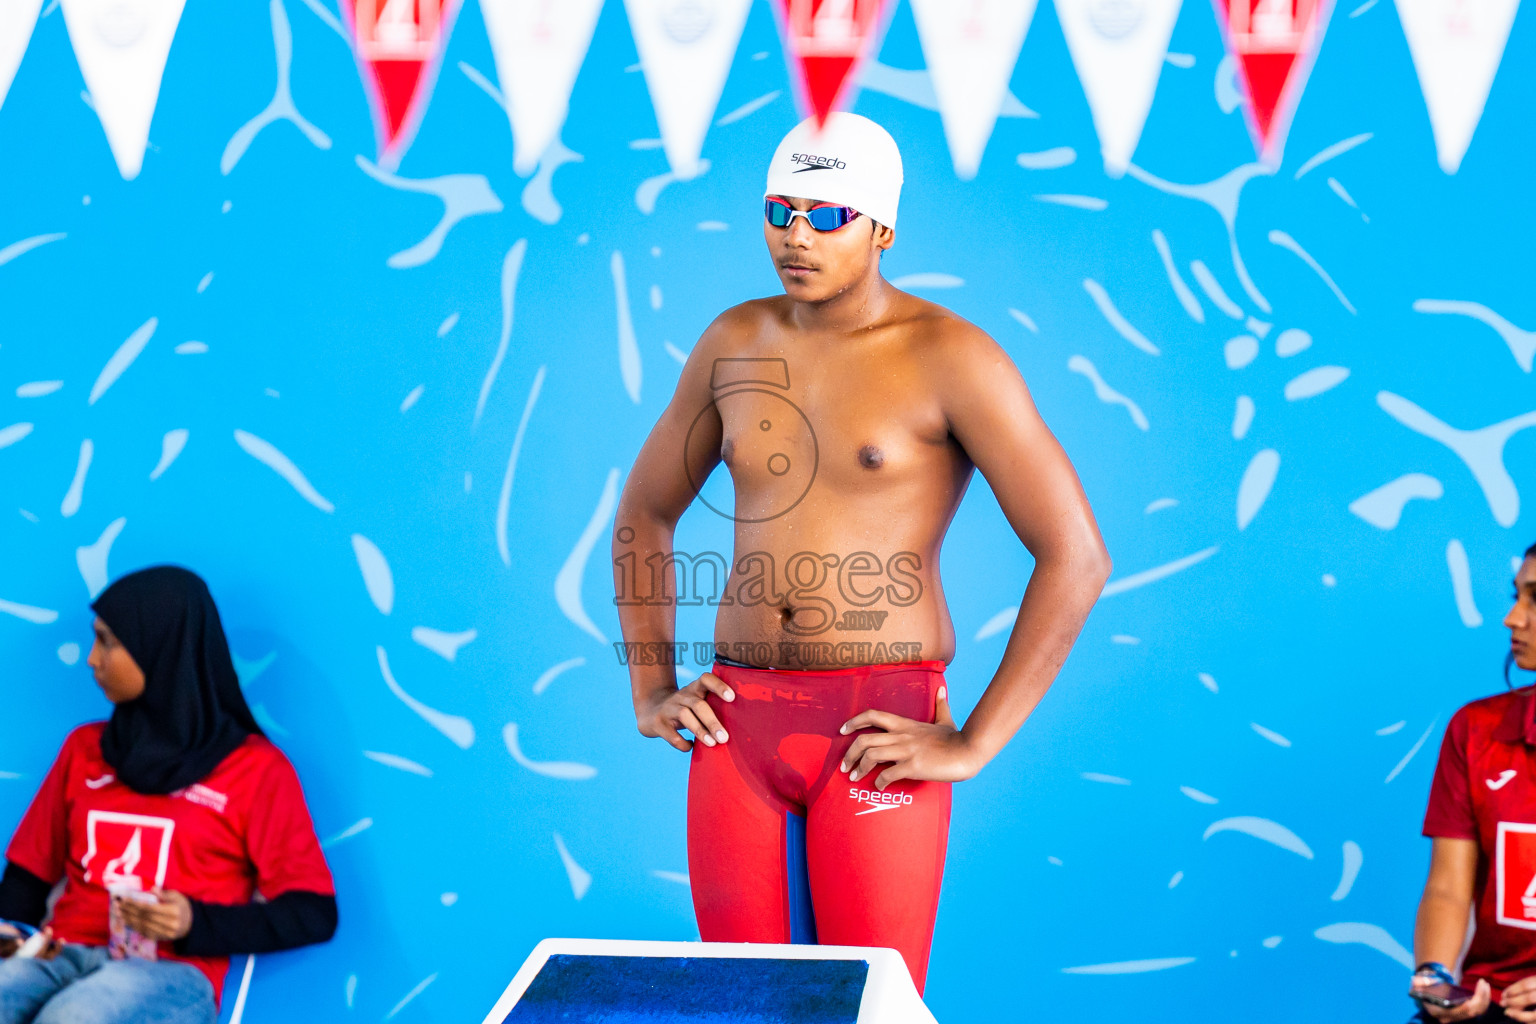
{"x": 128, "y": 849}
{"x": 1515, "y": 867}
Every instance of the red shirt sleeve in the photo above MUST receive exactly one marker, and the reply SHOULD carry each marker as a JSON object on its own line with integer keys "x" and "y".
{"x": 1449, "y": 815}
{"x": 280, "y": 838}
{"x": 41, "y": 842}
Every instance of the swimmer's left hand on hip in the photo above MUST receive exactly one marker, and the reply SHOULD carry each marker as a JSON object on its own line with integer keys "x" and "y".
{"x": 920, "y": 751}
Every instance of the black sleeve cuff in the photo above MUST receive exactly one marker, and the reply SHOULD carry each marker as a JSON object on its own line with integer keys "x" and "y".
{"x": 23, "y": 896}
{"x": 284, "y": 922}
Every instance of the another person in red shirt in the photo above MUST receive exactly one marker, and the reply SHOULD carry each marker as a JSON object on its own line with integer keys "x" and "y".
{"x": 163, "y": 823}
{"x": 1482, "y": 817}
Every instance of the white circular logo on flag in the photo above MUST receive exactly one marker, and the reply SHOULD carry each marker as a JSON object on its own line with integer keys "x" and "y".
{"x": 688, "y": 20}
{"x": 1116, "y": 19}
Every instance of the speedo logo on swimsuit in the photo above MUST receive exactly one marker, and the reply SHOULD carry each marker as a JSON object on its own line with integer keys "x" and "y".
{"x": 816, "y": 163}
{"x": 878, "y": 801}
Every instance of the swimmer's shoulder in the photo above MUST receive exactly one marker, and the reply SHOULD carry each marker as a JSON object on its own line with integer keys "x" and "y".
{"x": 938, "y": 334}
{"x": 743, "y": 325}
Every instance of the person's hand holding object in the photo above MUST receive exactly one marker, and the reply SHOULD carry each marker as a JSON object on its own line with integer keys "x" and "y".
{"x": 165, "y": 921}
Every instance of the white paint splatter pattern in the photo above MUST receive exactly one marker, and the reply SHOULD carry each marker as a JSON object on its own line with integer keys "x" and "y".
{"x": 511, "y": 267}
{"x": 457, "y": 728}
{"x": 1329, "y": 152}
{"x": 1242, "y": 417}
{"x": 504, "y": 500}
{"x": 462, "y": 196}
{"x": 1141, "y": 579}
{"x": 1105, "y": 393}
{"x": 1258, "y": 480}
{"x": 72, "y": 497}
{"x": 1175, "y": 279}
{"x": 1522, "y": 343}
{"x": 568, "y": 581}
{"x": 1264, "y": 829}
{"x": 1116, "y": 320}
{"x": 443, "y": 644}
{"x": 1353, "y": 858}
{"x": 580, "y": 878}
{"x": 1131, "y": 966}
{"x": 1461, "y": 584}
{"x": 91, "y": 559}
{"x": 1417, "y": 744}
{"x": 1047, "y": 159}
{"x": 28, "y": 613}
{"x": 552, "y": 673}
{"x": 1481, "y": 450}
{"x": 280, "y": 108}
{"x": 1314, "y": 382}
{"x": 395, "y": 761}
{"x": 171, "y": 447}
{"x": 1285, "y": 241}
{"x": 1383, "y": 507}
{"x": 570, "y": 771}
{"x": 629, "y": 349}
{"x": 1269, "y": 734}
{"x": 1370, "y": 935}
{"x": 268, "y": 454}
{"x": 377, "y": 578}
{"x": 123, "y": 358}
{"x": 927, "y": 280}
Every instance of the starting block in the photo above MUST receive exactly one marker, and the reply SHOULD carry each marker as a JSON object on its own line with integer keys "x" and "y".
{"x": 641, "y": 982}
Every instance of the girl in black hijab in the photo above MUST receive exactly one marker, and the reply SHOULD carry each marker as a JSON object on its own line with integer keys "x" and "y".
{"x": 163, "y": 822}
{"x": 191, "y": 714}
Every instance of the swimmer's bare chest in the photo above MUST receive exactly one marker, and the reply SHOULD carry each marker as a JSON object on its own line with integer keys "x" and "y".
{"x": 845, "y": 477}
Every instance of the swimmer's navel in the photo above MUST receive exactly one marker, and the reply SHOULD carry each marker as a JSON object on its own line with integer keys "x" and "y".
{"x": 727, "y": 450}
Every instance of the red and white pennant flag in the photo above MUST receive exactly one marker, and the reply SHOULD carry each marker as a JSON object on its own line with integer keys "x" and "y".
{"x": 1457, "y": 46}
{"x": 970, "y": 47}
{"x": 825, "y": 40}
{"x": 1275, "y": 43}
{"x": 399, "y": 46}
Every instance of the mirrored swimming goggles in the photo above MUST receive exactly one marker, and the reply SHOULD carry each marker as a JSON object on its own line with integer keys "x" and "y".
{"x": 823, "y": 218}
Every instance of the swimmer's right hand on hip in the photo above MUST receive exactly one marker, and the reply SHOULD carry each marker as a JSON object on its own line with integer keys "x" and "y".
{"x": 666, "y": 713}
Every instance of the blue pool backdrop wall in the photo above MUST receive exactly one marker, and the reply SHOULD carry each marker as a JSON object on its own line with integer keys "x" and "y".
{"x": 1296, "y": 676}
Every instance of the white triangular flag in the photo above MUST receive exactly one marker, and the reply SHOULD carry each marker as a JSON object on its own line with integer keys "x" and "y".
{"x": 1118, "y": 48}
{"x": 17, "y": 18}
{"x": 1456, "y": 47}
{"x": 539, "y": 47}
{"x": 122, "y": 46}
{"x": 970, "y": 48}
{"x": 686, "y": 48}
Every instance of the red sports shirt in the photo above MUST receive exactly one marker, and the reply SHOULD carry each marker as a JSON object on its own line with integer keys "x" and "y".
{"x": 1485, "y": 790}
{"x": 243, "y": 829}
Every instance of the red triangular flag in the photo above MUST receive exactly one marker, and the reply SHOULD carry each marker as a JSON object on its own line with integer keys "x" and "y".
{"x": 1274, "y": 43}
{"x": 399, "y": 44}
{"x": 825, "y": 39}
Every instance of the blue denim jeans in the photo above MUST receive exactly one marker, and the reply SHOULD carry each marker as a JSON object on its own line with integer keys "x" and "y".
{"x": 82, "y": 985}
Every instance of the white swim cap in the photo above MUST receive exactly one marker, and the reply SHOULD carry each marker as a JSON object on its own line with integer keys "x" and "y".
{"x": 850, "y": 161}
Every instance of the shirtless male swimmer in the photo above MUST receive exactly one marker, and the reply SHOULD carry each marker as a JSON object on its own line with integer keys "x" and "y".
{"x": 850, "y": 416}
